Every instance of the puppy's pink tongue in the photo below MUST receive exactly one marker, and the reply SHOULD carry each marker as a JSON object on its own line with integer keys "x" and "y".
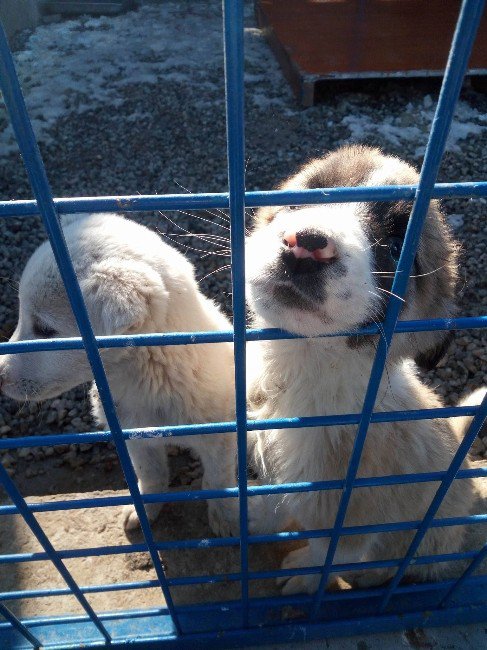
{"x": 324, "y": 254}
{"x": 301, "y": 253}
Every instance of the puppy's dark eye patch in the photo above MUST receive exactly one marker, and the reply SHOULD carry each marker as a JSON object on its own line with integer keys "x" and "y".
{"x": 43, "y": 331}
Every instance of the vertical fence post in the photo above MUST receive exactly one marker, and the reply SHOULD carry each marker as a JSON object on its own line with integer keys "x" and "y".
{"x": 465, "y": 32}
{"x": 19, "y": 626}
{"x": 234, "y": 90}
{"x": 36, "y": 173}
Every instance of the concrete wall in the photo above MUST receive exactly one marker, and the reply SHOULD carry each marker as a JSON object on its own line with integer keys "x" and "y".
{"x": 19, "y": 14}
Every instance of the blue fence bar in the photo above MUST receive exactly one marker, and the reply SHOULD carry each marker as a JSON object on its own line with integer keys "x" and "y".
{"x": 348, "y": 595}
{"x": 464, "y": 37}
{"x": 236, "y": 577}
{"x": 207, "y": 201}
{"x": 254, "y": 490}
{"x": 234, "y": 81}
{"x": 224, "y": 542}
{"x": 194, "y": 338}
{"x": 227, "y": 427}
{"x": 36, "y": 173}
{"x": 255, "y": 603}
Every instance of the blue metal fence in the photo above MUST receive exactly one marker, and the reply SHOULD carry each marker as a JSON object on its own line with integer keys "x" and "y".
{"x": 247, "y": 620}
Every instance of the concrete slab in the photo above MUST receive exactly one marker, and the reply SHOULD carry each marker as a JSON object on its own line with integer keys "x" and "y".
{"x": 462, "y": 637}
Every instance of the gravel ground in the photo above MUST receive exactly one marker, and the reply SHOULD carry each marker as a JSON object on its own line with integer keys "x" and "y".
{"x": 135, "y": 104}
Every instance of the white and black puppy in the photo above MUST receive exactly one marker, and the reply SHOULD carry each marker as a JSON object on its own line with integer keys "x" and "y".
{"x": 323, "y": 269}
{"x": 132, "y": 282}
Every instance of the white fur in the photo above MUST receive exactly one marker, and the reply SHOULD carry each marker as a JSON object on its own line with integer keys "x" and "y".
{"x": 343, "y": 228}
{"x": 326, "y": 376}
{"x": 132, "y": 282}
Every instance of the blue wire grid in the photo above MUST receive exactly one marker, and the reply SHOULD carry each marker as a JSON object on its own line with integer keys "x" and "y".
{"x": 247, "y": 620}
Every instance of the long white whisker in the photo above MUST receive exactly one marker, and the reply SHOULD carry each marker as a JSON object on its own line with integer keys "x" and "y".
{"x": 222, "y": 214}
{"x": 221, "y": 251}
{"x": 182, "y": 187}
{"x": 222, "y": 268}
{"x": 386, "y": 369}
{"x": 422, "y": 275}
{"x": 377, "y": 242}
{"x": 212, "y": 213}
{"x": 201, "y": 235}
{"x": 197, "y": 216}
{"x": 180, "y": 228}
{"x": 381, "y": 329}
{"x": 246, "y": 164}
{"x": 391, "y": 294}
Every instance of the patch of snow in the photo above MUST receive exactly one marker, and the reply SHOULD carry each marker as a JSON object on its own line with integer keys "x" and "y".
{"x": 414, "y": 124}
{"x": 80, "y": 64}
{"x": 362, "y": 126}
{"x": 455, "y": 220}
{"x": 77, "y": 65}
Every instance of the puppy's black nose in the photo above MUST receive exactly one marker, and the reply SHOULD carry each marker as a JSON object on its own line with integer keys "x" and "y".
{"x": 307, "y": 251}
{"x": 311, "y": 240}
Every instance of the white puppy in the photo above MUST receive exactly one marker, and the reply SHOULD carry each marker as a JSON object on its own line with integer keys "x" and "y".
{"x": 132, "y": 283}
{"x": 323, "y": 269}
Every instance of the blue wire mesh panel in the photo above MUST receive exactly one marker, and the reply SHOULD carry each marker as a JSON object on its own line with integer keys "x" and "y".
{"x": 247, "y": 620}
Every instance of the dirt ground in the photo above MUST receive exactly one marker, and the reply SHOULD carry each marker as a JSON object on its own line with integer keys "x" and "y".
{"x": 88, "y": 528}
{"x": 74, "y": 529}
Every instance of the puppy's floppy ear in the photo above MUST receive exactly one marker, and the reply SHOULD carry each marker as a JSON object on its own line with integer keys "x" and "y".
{"x": 122, "y": 295}
{"x": 436, "y": 286}
{"x": 77, "y": 217}
{"x": 68, "y": 219}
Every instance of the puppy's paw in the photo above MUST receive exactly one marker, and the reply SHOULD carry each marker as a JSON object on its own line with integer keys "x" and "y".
{"x": 223, "y": 518}
{"x": 298, "y": 559}
{"x": 130, "y": 518}
{"x": 261, "y": 520}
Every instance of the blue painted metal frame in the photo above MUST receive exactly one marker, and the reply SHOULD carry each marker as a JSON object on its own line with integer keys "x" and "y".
{"x": 247, "y": 620}
{"x": 234, "y": 82}
{"x": 29, "y": 150}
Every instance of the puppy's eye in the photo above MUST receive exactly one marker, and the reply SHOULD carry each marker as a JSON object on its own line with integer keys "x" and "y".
{"x": 43, "y": 331}
{"x": 395, "y": 247}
